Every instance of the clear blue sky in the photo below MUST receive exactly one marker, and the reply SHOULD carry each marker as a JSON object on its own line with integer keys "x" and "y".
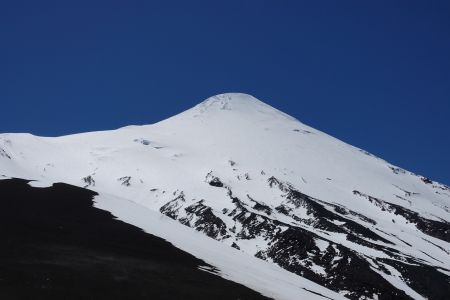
{"x": 375, "y": 74}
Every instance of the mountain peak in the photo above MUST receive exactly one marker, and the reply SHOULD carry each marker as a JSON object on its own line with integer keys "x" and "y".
{"x": 240, "y": 104}
{"x": 250, "y": 177}
{"x": 228, "y": 101}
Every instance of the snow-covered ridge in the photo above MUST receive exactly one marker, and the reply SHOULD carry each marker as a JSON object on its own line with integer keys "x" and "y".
{"x": 258, "y": 180}
{"x": 242, "y": 103}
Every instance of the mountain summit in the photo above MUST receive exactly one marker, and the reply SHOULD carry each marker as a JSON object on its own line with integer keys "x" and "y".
{"x": 228, "y": 101}
{"x": 251, "y": 181}
{"x": 238, "y": 102}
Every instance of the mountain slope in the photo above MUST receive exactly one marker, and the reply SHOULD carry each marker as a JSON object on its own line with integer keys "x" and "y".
{"x": 56, "y": 245}
{"x": 256, "y": 179}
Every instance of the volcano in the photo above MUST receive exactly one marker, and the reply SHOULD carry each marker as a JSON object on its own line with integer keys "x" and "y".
{"x": 258, "y": 198}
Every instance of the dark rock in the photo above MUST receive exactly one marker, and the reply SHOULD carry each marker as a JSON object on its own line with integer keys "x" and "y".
{"x": 234, "y": 245}
{"x": 4, "y": 154}
{"x": 89, "y": 180}
{"x": 125, "y": 180}
{"x": 259, "y": 206}
{"x": 206, "y": 221}
{"x": 57, "y": 245}
{"x": 437, "y": 229}
{"x": 426, "y": 180}
{"x": 213, "y": 180}
{"x": 171, "y": 208}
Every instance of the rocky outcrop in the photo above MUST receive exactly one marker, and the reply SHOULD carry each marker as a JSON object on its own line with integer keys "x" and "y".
{"x": 296, "y": 245}
{"x": 437, "y": 229}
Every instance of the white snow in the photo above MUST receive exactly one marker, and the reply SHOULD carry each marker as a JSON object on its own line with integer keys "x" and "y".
{"x": 267, "y": 278}
{"x": 40, "y": 184}
{"x": 176, "y": 154}
{"x": 395, "y": 280}
{"x": 322, "y": 244}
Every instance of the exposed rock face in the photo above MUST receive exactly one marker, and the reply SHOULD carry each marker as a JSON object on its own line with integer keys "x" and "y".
{"x": 89, "y": 181}
{"x": 202, "y": 218}
{"x": 437, "y": 229}
{"x": 125, "y": 180}
{"x": 297, "y": 235}
{"x": 213, "y": 180}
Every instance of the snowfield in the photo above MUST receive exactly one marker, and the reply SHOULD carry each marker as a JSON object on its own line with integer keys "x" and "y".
{"x": 274, "y": 204}
{"x": 268, "y": 279}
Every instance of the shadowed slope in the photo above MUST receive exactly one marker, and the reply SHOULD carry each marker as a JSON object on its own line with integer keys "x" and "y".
{"x": 56, "y": 245}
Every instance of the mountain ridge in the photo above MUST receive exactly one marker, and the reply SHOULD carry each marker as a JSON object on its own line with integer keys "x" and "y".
{"x": 257, "y": 180}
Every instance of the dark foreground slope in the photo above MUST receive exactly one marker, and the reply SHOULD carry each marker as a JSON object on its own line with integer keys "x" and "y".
{"x": 56, "y": 245}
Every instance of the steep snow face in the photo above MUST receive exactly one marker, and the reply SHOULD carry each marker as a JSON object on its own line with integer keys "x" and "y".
{"x": 258, "y": 180}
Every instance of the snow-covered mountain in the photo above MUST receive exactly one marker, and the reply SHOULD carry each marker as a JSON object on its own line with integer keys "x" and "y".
{"x": 322, "y": 218}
